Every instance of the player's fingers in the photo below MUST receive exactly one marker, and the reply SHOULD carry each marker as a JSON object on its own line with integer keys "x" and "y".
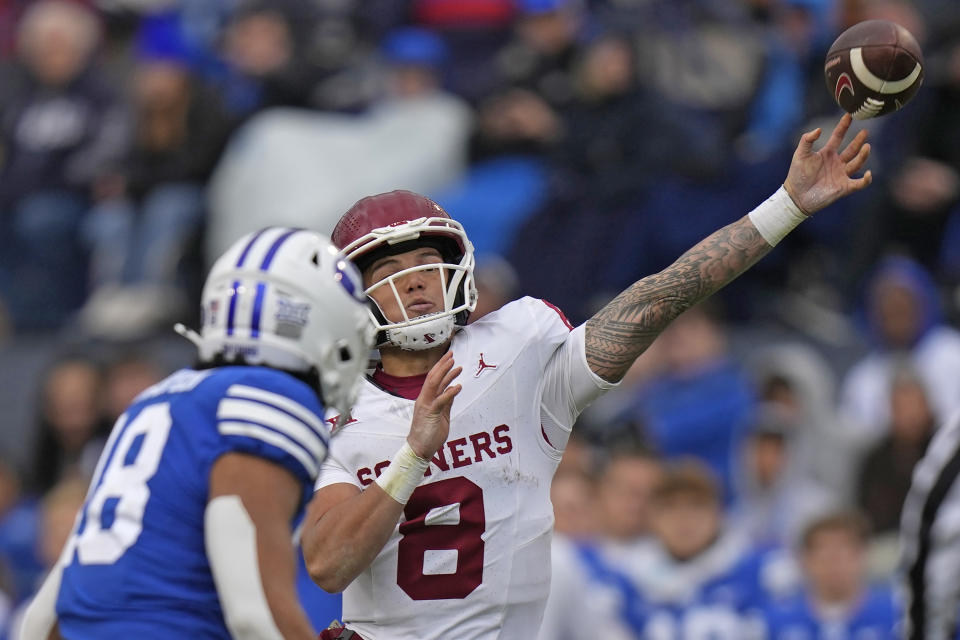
{"x": 440, "y": 369}
{"x": 857, "y": 163}
{"x": 839, "y": 132}
{"x": 450, "y": 377}
{"x": 854, "y": 147}
{"x": 856, "y": 184}
{"x": 445, "y": 399}
{"x": 807, "y": 140}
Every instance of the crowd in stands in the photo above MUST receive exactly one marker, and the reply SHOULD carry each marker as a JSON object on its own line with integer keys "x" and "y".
{"x": 764, "y": 444}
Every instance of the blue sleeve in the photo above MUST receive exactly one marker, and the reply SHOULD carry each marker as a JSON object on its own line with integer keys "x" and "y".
{"x": 272, "y": 415}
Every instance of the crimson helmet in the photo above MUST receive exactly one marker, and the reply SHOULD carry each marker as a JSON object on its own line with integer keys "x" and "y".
{"x": 396, "y": 222}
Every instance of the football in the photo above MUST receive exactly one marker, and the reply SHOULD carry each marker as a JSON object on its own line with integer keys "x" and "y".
{"x": 873, "y": 68}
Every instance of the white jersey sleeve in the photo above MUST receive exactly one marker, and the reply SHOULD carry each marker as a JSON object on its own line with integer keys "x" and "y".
{"x": 569, "y": 387}
{"x": 334, "y": 472}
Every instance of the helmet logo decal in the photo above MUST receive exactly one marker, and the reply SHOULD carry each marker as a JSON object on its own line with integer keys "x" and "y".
{"x": 212, "y": 314}
{"x": 430, "y": 338}
{"x": 291, "y": 318}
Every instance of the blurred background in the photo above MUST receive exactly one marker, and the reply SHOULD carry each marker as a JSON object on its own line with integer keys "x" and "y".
{"x": 582, "y": 143}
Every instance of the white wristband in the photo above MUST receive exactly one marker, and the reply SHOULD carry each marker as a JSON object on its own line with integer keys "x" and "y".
{"x": 403, "y": 474}
{"x": 777, "y": 216}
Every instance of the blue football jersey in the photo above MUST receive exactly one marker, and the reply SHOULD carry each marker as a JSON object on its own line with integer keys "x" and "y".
{"x": 717, "y": 597}
{"x": 875, "y": 618}
{"x": 724, "y": 606}
{"x": 137, "y": 566}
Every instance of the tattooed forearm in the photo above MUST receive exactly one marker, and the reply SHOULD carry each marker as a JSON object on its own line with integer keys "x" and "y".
{"x": 624, "y": 328}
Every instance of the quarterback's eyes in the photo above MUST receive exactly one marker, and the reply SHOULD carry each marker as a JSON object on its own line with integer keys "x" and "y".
{"x": 393, "y": 265}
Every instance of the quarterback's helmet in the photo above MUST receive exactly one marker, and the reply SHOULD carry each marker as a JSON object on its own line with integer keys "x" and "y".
{"x": 286, "y": 298}
{"x": 398, "y": 221}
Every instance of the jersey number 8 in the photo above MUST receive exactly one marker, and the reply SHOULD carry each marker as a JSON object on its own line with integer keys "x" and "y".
{"x": 421, "y": 536}
{"x": 114, "y": 512}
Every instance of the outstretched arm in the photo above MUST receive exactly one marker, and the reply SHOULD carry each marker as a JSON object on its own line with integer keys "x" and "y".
{"x": 625, "y": 327}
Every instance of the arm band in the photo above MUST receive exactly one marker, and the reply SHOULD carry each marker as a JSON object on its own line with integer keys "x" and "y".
{"x": 777, "y": 216}
{"x": 403, "y": 475}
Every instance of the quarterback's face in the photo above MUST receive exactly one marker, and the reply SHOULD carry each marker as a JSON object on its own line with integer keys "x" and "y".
{"x": 420, "y": 292}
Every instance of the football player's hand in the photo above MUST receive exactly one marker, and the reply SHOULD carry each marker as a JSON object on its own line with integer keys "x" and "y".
{"x": 431, "y": 413}
{"x": 818, "y": 178}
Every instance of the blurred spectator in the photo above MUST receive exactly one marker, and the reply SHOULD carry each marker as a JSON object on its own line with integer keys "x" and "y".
{"x": 606, "y": 159}
{"x": 699, "y": 573}
{"x": 18, "y": 536}
{"x": 542, "y": 54}
{"x": 262, "y": 47}
{"x": 303, "y": 169}
{"x": 515, "y": 122}
{"x": 579, "y": 457}
{"x": 837, "y": 602}
{"x": 887, "y": 470}
{"x": 62, "y": 128}
{"x": 575, "y": 508}
{"x": 588, "y": 512}
{"x": 708, "y": 56}
{"x": 699, "y": 403}
{"x": 416, "y": 56}
{"x": 58, "y": 514}
{"x": 773, "y": 501}
{"x": 623, "y": 498}
{"x": 70, "y": 429}
{"x": 800, "y": 386}
{"x": 151, "y": 211}
{"x": 537, "y": 76}
{"x": 508, "y": 180}
{"x": 126, "y": 376}
{"x": 904, "y": 316}
{"x": 474, "y": 33}
{"x": 496, "y": 285}
{"x": 793, "y": 31}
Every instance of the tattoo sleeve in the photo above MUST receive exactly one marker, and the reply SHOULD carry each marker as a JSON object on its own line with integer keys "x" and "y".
{"x": 625, "y": 327}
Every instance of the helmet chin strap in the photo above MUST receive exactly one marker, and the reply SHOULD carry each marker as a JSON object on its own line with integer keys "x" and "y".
{"x": 423, "y": 335}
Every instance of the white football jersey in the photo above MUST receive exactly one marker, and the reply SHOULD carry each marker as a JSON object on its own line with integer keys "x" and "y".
{"x": 470, "y": 558}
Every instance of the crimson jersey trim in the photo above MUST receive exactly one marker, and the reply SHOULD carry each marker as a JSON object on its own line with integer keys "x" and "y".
{"x": 559, "y": 313}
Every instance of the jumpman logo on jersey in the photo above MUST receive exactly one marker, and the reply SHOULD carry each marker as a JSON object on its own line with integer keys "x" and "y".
{"x": 483, "y": 366}
{"x": 333, "y": 421}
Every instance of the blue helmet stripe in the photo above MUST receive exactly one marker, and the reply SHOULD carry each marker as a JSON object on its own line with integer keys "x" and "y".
{"x": 232, "y": 310}
{"x": 246, "y": 249}
{"x": 257, "y": 309}
{"x": 272, "y": 251}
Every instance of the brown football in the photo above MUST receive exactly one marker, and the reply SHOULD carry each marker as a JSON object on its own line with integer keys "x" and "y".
{"x": 873, "y": 68}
